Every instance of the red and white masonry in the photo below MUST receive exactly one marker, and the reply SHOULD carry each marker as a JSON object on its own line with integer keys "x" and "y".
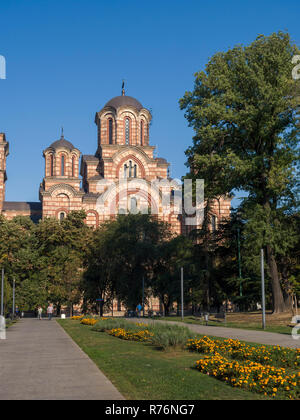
{"x": 159, "y": 197}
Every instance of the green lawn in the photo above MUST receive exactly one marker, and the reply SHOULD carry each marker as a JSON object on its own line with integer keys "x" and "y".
{"x": 280, "y": 329}
{"x": 142, "y": 372}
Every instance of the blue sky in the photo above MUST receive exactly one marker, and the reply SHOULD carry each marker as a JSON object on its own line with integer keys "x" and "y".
{"x": 67, "y": 58}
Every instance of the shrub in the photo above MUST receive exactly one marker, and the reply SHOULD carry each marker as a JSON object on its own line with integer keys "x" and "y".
{"x": 160, "y": 335}
{"x": 166, "y": 336}
{"x": 109, "y": 324}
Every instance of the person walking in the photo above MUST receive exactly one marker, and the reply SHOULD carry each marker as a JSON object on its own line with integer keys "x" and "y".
{"x": 39, "y": 312}
{"x": 138, "y": 309}
{"x": 50, "y": 311}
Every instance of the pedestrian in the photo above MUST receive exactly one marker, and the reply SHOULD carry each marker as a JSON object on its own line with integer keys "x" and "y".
{"x": 39, "y": 312}
{"x": 139, "y": 308}
{"x": 17, "y": 311}
{"x": 50, "y": 311}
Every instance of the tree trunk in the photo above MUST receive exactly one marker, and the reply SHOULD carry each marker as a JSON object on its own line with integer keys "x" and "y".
{"x": 166, "y": 309}
{"x": 278, "y": 301}
{"x": 178, "y": 307}
{"x": 101, "y": 308}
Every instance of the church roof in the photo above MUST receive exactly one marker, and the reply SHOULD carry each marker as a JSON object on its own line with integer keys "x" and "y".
{"x": 90, "y": 158}
{"x": 21, "y": 206}
{"x": 161, "y": 160}
{"x": 124, "y": 100}
{"x": 62, "y": 143}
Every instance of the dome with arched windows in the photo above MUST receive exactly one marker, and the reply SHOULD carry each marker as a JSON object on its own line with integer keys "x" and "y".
{"x": 62, "y": 159}
{"x": 123, "y": 121}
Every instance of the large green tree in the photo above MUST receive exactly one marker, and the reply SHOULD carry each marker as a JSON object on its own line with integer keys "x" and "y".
{"x": 123, "y": 252}
{"x": 62, "y": 247}
{"x": 46, "y": 260}
{"x": 170, "y": 257}
{"x": 244, "y": 112}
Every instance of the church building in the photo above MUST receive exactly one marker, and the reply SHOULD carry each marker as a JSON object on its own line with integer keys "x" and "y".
{"x": 73, "y": 181}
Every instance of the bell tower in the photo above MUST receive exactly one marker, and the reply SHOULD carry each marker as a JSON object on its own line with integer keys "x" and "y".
{"x": 4, "y": 151}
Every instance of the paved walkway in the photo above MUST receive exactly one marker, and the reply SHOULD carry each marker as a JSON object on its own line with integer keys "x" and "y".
{"x": 39, "y": 361}
{"x": 261, "y": 337}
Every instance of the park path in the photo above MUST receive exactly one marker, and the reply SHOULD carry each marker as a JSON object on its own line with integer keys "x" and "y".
{"x": 39, "y": 361}
{"x": 261, "y": 337}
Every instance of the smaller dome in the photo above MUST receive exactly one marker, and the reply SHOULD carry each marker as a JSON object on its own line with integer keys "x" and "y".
{"x": 124, "y": 100}
{"x": 62, "y": 143}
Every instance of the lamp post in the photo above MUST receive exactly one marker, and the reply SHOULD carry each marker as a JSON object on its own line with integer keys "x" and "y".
{"x": 182, "y": 303}
{"x": 143, "y": 297}
{"x": 263, "y": 298}
{"x": 143, "y": 237}
{"x": 2, "y": 293}
{"x": 239, "y": 259}
{"x": 14, "y": 292}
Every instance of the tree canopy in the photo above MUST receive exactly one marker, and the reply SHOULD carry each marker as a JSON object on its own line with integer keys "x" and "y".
{"x": 244, "y": 112}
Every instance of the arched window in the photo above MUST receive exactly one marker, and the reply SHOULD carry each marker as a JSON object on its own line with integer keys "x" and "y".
{"x": 125, "y": 170}
{"x": 130, "y": 169}
{"x": 99, "y": 131}
{"x": 51, "y": 165}
{"x": 135, "y": 171}
{"x": 142, "y": 132}
{"x": 147, "y": 129}
{"x": 73, "y": 166}
{"x": 110, "y": 131}
{"x": 62, "y": 166}
{"x": 127, "y": 131}
{"x": 133, "y": 205}
{"x": 62, "y": 215}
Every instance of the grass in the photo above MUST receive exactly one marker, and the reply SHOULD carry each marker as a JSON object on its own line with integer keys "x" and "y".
{"x": 111, "y": 323}
{"x": 141, "y": 372}
{"x": 280, "y": 329}
{"x": 162, "y": 335}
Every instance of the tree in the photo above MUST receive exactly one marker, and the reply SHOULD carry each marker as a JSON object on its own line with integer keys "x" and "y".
{"x": 100, "y": 264}
{"x": 123, "y": 252}
{"x": 244, "y": 112}
{"x": 171, "y": 256}
{"x": 61, "y": 247}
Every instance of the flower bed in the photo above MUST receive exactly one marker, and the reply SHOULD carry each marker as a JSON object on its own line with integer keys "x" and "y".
{"x": 142, "y": 335}
{"x": 250, "y": 367}
{"x": 89, "y": 321}
{"x": 77, "y": 318}
{"x": 275, "y": 355}
{"x": 253, "y": 376}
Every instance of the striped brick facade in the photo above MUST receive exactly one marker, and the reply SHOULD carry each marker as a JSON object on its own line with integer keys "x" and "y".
{"x": 73, "y": 181}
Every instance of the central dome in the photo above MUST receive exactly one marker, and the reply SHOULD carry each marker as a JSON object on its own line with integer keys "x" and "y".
{"x": 124, "y": 100}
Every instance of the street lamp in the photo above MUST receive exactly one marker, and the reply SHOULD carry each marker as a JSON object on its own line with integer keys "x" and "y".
{"x": 239, "y": 260}
{"x": 143, "y": 297}
{"x": 14, "y": 293}
{"x": 2, "y": 293}
{"x": 238, "y": 219}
